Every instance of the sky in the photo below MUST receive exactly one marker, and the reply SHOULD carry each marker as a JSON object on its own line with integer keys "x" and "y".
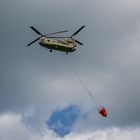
{"x": 36, "y": 85}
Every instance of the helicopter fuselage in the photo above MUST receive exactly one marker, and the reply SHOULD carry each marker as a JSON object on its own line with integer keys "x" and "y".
{"x": 67, "y": 45}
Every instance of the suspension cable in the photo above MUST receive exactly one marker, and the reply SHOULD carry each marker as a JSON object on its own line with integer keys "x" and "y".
{"x": 80, "y": 80}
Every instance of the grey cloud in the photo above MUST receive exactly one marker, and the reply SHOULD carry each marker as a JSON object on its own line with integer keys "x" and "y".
{"x": 108, "y": 62}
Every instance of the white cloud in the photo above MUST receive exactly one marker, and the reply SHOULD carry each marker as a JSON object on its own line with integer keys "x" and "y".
{"x": 109, "y": 134}
{"x": 13, "y": 127}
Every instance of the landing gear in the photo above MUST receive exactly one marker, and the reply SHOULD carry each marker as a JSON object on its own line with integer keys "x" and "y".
{"x": 50, "y": 50}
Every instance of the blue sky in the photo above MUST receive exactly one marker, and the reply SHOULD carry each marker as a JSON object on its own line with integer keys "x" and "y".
{"x": 62, "y": 121}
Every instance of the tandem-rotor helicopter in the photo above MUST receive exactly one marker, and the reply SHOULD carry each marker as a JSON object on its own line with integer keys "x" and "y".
{"x": 67, "y": 45}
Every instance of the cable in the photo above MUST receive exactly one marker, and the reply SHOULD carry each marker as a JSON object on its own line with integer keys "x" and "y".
{"x": 82, "y": 83}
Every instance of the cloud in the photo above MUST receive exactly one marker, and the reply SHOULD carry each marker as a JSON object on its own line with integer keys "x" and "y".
{"x": 12, "y": 126}
{"x": 108, "y": 62}
{"x": 108, "y": 134}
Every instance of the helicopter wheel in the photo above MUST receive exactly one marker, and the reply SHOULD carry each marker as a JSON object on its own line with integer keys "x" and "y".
{"x": 50, "y": 50}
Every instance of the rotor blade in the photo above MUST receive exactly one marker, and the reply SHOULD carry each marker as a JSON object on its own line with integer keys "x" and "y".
{"x": 78, "y": 42}
{"x": 58, "y": 32}
{"x": 33, "y": 41}
{"x": 33, "y": 28}
{"x": 57, "y": 37}
{"x": 78, "y": 31}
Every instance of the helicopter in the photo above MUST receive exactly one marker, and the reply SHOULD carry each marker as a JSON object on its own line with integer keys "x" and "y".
{"x": 67, "y": 45}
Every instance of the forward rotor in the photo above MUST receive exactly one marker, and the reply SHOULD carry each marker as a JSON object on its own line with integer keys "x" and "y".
{"x": 35, "y": 30}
